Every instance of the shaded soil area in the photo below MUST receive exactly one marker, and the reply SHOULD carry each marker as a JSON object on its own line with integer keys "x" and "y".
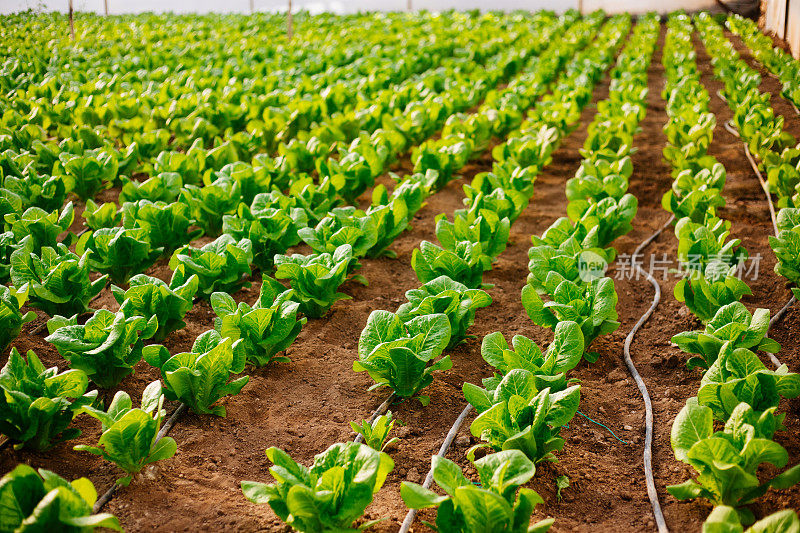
{"x": 304, "y": 406}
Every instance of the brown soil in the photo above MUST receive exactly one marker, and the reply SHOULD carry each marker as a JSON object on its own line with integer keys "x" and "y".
{"x": 304, "y": 406}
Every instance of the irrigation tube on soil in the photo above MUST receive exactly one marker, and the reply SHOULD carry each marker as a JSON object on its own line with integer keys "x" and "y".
{"x": 448, "y": 440}
{"x": 107, "y": 495}
{"x": 648, "y": 405}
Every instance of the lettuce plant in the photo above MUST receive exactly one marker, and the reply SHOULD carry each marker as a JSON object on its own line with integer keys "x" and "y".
{"x": 725, "y": 519}
{"x": 329, "y": 495}
{"x": 200, "y": 378}
{"x": 272, "y": 230}
{"x": 118, "y": 252}
{"x": 610, "y": 217}
{"x": 727, "y": 461}
{"x": 129, "y": 436}
{"x": 208, "y": 204}
{"x": 37, "y": 190}
{"x": 58, "y": 280}
{"x": 151, "y": 297}
{"x": 167, "y": 225}
{"x": 738, "y": 375}
{"x": 106, "y": 348}
{"x": 704, "y": 292}
{"x": 548, "y": 370}
{"x": 316, "y": 279}
{"x": 343, "y": 225}
{"x": 484, "y": 227}
{"x": 45, "y": 501}
{"x": 466, "y": 506}
{"x": 266, "y": 328}
{"x": 390, "y": 221}
{"x": 786, "y": 245}
{"x": 37, "y": 404}
{"x": 88, "y": 173}
{"x": 101, "y": 216}
{"x": 221, "y": 265}
{"x": 593, "y": 306}
{"x": 398, "y": 354}
{"x": 453, "y": 299}
{"x": 732, "y": 324}
{"x": 42, "y": 227}
{"x": 11, "y": 317}
{"x": 163, "y": 187}
{"x": 465, "y": 263}
{"x": 376, "y": 432}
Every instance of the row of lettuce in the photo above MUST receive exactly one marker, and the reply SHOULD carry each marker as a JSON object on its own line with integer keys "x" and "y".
{"x": 40, "y": 403}
{"x": 736, "y": 389}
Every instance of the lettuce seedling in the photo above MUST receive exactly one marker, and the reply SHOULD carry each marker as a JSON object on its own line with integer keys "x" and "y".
{"x": 37, "y": 404}
{"x": 200, "y": 378}
{"x": 221, "y": 265}
{"x": 398, "y": 354}
{"x": 467, "y": 506}
{"x": 129, "y": 436}
{"x": 376, "y": 432}
{"x": 45, "y": 501}
{"x": 327, "y": 496}
{"x": 267, "y": 328}
{"x": 106, "y": 348}
{"x": 453, "y": 299}
{"x": 343, "y": 225}
{"x": 208, "y": 204}
{"x": 151, "y": 297}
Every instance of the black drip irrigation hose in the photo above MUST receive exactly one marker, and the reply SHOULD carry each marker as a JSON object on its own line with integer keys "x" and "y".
{"x": 107, "y": 495}
{"x": 382, "y": 408}
{"x": 652, "y": 493}
{"x": 451, "y": 435}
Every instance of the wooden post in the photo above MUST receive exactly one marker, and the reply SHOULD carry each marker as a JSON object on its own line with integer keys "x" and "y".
{"x": 580, "y": 7}
{"x": 105, "y": 4}
{"x": 289, "y": 29}
{"x": 252, "y": 6}
{"x": 71, "y": 22}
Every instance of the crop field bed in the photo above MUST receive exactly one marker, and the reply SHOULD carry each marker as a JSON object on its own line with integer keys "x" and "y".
{"x": 303, "y": 405}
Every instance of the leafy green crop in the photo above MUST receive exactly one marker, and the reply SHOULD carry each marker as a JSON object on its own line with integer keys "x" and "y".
{"x": 106, "y": 348}
{"x": 129, "y": 438}
{"x": 38, "y": 404}
{"x": 266, "y": 328}
{"x": 592, "y": 305}
{"x": 11, "y": 317}
{"x": 58, "y": 280}
{"x": 101, "y": 216}
{"x": 200, "y": 378}
{"x": 376, "y": 432}
{"x": 163, "y": 187}
{"x": 42, "y": 227}
{"x": 725, "y": 519}
{"x": 88, "y": 173}
{"x": 397, "y": 354}
{"x": 498, "y": 504}
{"x": 151, "y": 297}
{"x": 466, "y": 262}
{"x": 316, "y": 279}
{"x": 118, "y": 252}
{"x": 221, "y": 265}
{"x": 343, "y": 225}
{"x": 485, "y": 228}
{"x": 327, "y": 496}
{"x": 726, "y": 461}
{"x": 167, "y": 225}
{"x": 45, "y": 501}
{"x": 787, "y": 245}
{"x": 732, "y": 324}
{"x": 443, "y": 295}
{"x": 208, "y": 204}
